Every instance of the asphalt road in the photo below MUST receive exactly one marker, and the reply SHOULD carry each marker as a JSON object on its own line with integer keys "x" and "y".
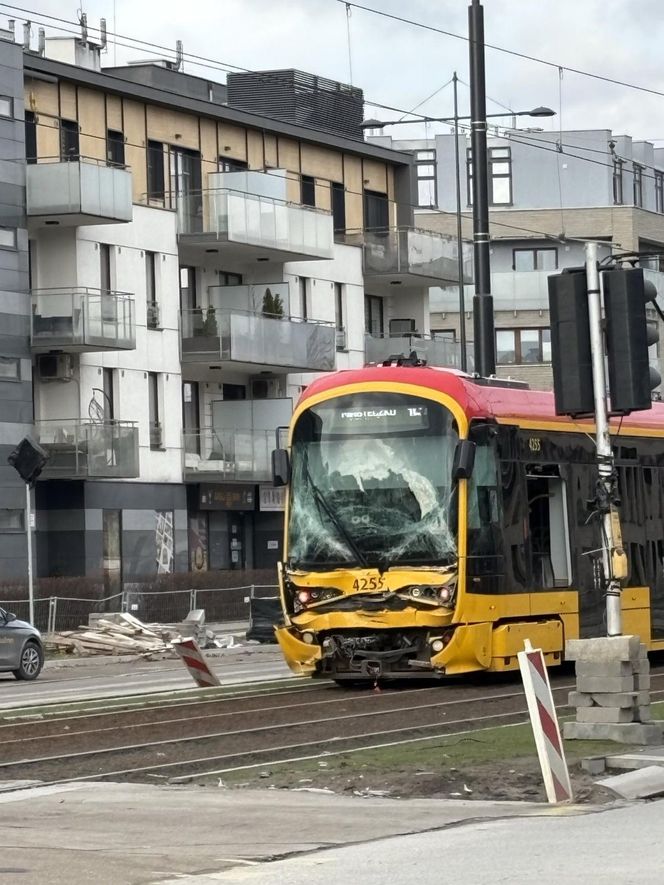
{"x": 92, "y": 678}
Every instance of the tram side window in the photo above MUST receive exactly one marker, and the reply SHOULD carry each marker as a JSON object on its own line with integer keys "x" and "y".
{"x": 549, "y": 531}
{"x": 483, "y": 509}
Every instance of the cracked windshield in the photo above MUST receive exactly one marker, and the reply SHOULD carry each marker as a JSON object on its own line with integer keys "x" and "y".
{"x": 371, "y": 483}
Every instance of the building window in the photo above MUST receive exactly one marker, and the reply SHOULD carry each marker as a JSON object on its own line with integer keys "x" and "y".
{"x": 376, "y": 211}
{"x": 10, "y": 368}
{"x": 7, "y": 238}
{"x": 155, "y": 170}
{"x": 373, "y": 315}
{"x": 115, "y": 148}
{"x": 523, "y": 346}
{"x": 534, "y": 259}
{"x": 11, "y": 520}
{"x": 308, "y": 190}
{"x": 30, "y": 137}
{"x": 105, "y": 268}
{"x": 499, "y": 174}
{"x": 338, "y": 206}
{"x": 151, "y": 290}
{"x": 6, "y": 106}
{"x": 618, "y": 182}
{"x": 69, "y": 147}
{"x": 638, "y": 185}
{"x": 339, "y": 316}
{"x": 444, "y": 334}
{"x": 303, "y": 293}
{"x": 425, "y": 165}
{"x": 108, "y": 381}
{"x": 153, "y": 411}
{"x": 228, "y": 164}
{"x": 659, "y": 191}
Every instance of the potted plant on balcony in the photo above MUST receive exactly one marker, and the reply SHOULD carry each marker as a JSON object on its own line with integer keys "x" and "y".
{"x": 273, "y": 306}
{"x": 210, "y": 329}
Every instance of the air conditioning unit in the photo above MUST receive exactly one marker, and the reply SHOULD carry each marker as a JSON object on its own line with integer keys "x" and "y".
{"x": 268, "y": 387}
{"x": 153, "y": 315}
{"x": 55, "y": 367}
{"x": 341, "y": 339}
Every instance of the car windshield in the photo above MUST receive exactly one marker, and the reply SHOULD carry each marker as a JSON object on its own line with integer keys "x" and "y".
{"x": 371, "y": 483}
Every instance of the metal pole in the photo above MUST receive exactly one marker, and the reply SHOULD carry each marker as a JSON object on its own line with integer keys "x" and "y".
{"x": 483, "y": 325}
{"x": 457, "y": 175}
{"x": 603, "y": 442}
{"x": 28, "y": 530}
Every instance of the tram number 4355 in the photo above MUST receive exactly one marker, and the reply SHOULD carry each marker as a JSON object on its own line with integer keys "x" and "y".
{"x": 373, "y": 583}
{"x": 535, "y": 444}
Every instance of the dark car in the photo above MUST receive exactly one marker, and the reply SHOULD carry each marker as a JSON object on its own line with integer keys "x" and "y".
{"x": 21, "y": 649}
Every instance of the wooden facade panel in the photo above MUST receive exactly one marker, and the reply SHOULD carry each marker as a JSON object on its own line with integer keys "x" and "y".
{"x": 323, "y": 194}
{"x": 353, "y": 182}
{"x": 289, "y": 154}
{"x": 92, "y": 120}
{"x": 209, "y": 159}
{"x": 271, "y": 158}
{"x": 68, "y": 108}
{"x": 322, "y": 163}
{"x": 374, "y": 175}
{"x": 173, "y": 127}
{"x": 255, "y": 156}
{"x": 114, "y": 113}
{"x": 48, "y": 137}
{"x": 232, "y": 141}
{"x": 135, "y": 157}
{"x": 42, "y": 98}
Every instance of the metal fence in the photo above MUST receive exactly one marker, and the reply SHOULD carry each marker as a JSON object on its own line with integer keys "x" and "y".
{"x": 57, "y": 613}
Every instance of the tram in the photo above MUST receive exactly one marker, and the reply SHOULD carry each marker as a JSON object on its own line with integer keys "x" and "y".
{"x": 434, "y": 521}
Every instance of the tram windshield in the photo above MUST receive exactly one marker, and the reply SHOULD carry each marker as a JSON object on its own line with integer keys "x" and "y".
{"x": 371, "y": 483}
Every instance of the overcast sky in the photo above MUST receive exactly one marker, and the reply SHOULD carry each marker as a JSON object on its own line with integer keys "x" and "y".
{"x": 399, "y": 65}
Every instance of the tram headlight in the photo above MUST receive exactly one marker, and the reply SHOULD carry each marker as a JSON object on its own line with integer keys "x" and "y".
{"x": 437, "y": 645}
{"x": 308, "y": 637}
{"x": 304, "y": 597}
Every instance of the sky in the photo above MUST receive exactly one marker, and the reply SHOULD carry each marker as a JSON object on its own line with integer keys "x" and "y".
{"x": 400, "y": 65}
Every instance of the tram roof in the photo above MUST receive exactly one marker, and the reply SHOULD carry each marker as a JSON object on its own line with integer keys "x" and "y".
{"x": 508, "y": 405}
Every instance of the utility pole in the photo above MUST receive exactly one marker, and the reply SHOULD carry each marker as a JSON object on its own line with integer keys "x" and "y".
{"x": 606, "y": 492}
{"x": 483, "y": 323}
{"x": 457, "y": 176}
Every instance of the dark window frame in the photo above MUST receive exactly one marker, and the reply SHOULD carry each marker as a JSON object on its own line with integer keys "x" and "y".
{"x": 518, "y": 352}
{"x": 308, "y": 190}
{"x": 115, "y": 148}
{"x": 534, "y": 250}
{"x": 421, "y": 162}
{"x": 637, "y": 184}
{"x": 156, "y": 181}
{"x": 230, "y": 164}
{"x": 369, "y": 302}
{"x": 659, "y": 191}
{"x": 338, "y": 196}
{"x": 30, "y": 137}
{"x": 70, "y": 146}
{"x": 618, "y": 195}
{"x": 495, "y": 156}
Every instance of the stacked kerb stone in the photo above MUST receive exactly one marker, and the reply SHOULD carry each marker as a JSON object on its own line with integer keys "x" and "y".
{"x": 612, "y": 697}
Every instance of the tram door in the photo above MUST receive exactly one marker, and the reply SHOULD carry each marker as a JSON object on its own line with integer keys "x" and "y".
{"x": 548, "y": 527}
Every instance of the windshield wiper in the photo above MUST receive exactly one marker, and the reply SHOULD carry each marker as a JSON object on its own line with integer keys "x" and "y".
{"x": 340, "y": 527}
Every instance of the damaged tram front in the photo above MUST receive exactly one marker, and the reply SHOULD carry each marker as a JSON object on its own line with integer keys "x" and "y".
{"x": 378, "y": 469}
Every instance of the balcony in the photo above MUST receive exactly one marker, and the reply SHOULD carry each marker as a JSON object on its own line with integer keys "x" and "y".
{"x": 83, "y": 191}
{"x": 435, "y": 351}
{"x": 82, "y": 320}
{"x": 243, "y": 455}
{"x": 88, "y": 450}
{"x": 245, "y": 216}
{"x": 511, "y": 290}
{"x": 408, "y": 257}
{"x": 248, "y": 340}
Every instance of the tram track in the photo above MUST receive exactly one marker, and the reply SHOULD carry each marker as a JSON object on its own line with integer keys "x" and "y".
{"x": 228, "y": 733}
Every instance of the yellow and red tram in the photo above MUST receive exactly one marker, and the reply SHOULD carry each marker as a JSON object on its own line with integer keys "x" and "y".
{"x": 434, "y": 521}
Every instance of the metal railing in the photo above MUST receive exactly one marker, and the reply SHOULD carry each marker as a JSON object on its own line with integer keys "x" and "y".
{"x": 229, "y": 454}
{"x": 249, "y": 337}
{"x": 79, "y": 448}
{"x": 56, "y": 613}
{"x": 83, "y": 318}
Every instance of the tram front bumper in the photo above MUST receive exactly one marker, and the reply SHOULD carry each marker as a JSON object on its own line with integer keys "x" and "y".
{"x": 301, "y": 657}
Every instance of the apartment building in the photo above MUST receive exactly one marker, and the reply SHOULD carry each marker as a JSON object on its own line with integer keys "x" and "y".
{"x": 193, "y": 263}
{"x": 548, "y": 192}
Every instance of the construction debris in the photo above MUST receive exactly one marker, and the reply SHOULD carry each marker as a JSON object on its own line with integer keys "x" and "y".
{"x": 115, "y": 633}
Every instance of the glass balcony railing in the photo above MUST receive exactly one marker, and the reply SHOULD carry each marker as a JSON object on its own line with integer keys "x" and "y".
{"x": 79, "y": 191}
{"x": 229, "y": 454}
{"x": 78, "y": 319}
{"x": 222, "y": 335}
{"x": 434, "y": 351}
{"x": 408, "y": 256}
{"x": 255, "y": 223}
{"x": 84, "y": 449}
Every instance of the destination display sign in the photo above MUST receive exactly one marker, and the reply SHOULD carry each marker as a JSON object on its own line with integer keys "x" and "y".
{"x": 390, "y": 419}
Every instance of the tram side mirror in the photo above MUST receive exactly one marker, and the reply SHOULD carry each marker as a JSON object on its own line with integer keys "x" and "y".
{"x": 280, "y": 467}
{"x": 464, "y": 459}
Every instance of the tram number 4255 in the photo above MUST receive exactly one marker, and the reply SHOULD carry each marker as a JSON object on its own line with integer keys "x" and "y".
{"x": 373, "y": 583}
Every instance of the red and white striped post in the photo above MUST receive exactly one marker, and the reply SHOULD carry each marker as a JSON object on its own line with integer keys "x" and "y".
{"x": 544, "y": 722}
{"x": 194, "y": 660}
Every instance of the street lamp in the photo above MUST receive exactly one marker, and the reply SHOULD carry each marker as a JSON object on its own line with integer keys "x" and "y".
{"x": 380, "y": 124}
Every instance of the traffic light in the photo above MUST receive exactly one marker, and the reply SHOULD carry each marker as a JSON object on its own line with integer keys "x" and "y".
{"x": 628, "y": 337}
{"x": 28, "y": 459}
{"x": 570, "y": 343}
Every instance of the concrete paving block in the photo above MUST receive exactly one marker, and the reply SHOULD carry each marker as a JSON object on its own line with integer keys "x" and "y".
{"x": 641, "y": 784}
{"x": 643, "y": 713}
{"x": 606, "y": 648}
{"x": 604, "y": 714}
{"x": 581, "y": 699}
{"x": 594, "y": 765}
{"x": 604, "y": 684}
{"x": 642, "y": 683}
{"x": 618, "y": 698}
{"x": 643, "y": 734}
{"x": 638, "y": 759}
{"x": 604, "y": 668}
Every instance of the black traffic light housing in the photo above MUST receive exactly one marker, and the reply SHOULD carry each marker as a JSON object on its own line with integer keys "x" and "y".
{"x": 571, "y": 356}
{"x": 628, "y": 337}
{"x": 28, "y": 460}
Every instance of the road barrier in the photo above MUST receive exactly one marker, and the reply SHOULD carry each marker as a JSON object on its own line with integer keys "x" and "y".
{"x": 544, "y": 722}
{"x": 194, "y": 660}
